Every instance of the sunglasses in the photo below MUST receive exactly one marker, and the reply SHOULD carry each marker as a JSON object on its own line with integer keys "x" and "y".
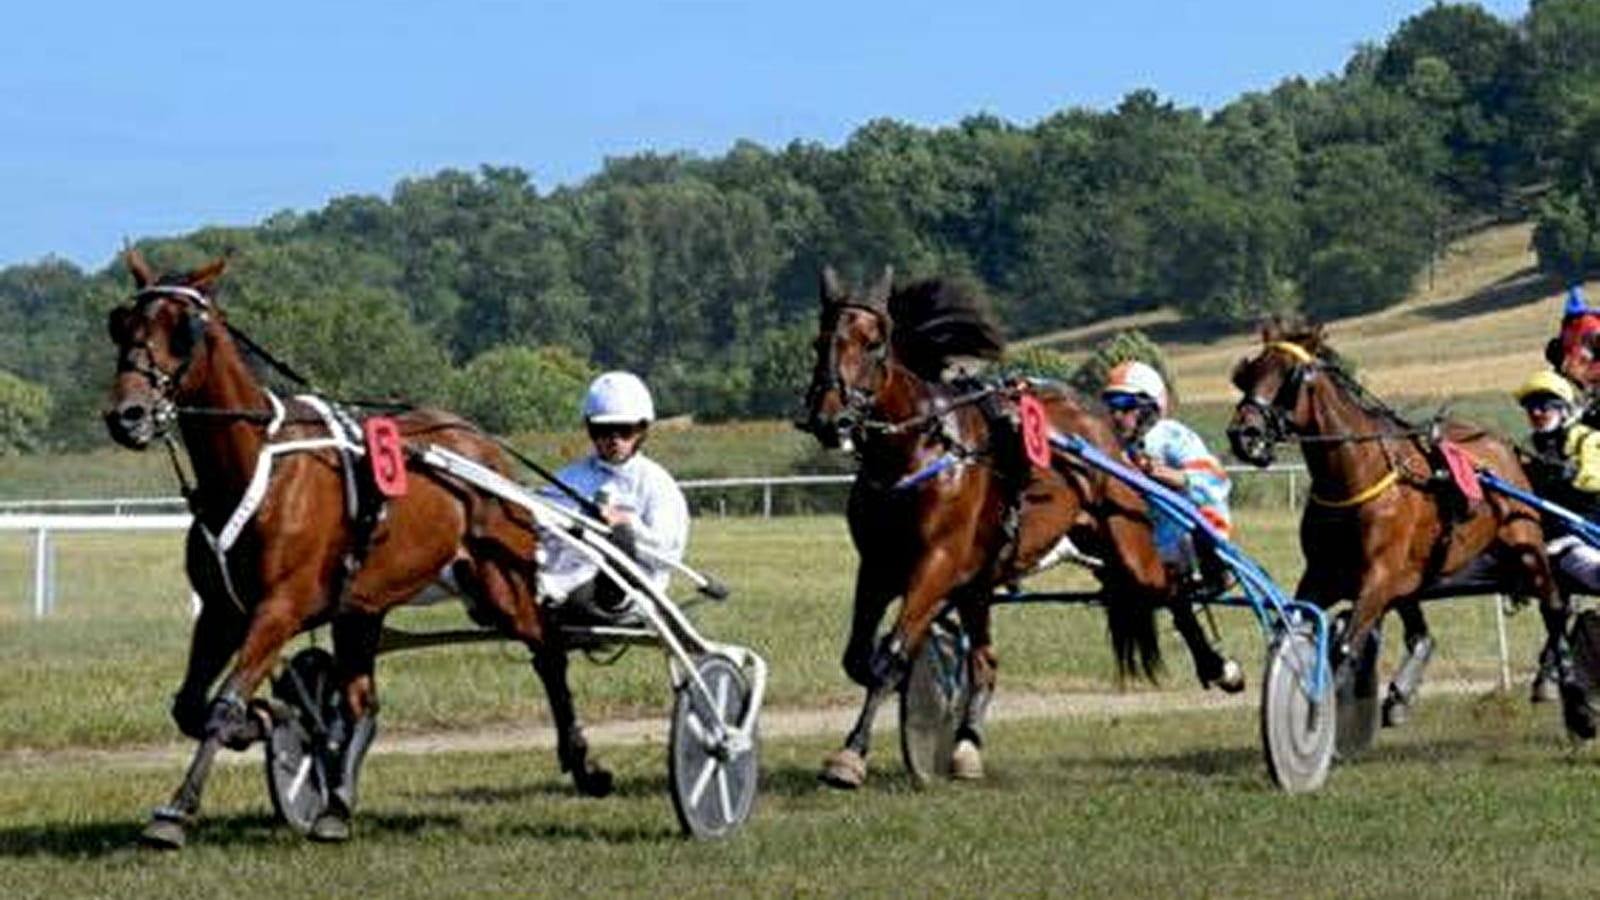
{"x": 601, "y": 430}
{"x": 1544, "y": 404}
{"x": 1123, "y": 402}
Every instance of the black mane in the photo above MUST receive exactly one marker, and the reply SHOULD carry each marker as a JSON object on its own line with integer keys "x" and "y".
{"x": 937, "y": 320}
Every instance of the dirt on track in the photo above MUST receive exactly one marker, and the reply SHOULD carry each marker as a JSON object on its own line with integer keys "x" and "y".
{"x": 775, "y": 723}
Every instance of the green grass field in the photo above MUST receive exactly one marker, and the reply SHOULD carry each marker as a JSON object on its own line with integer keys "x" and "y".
{"x": 1478, "y": 798}
{"x": 1480, "y": 795}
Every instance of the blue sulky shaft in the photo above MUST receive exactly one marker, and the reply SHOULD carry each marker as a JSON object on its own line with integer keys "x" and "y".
{"x": 1583, "y": 528}
{"x": 1273, "y": 608}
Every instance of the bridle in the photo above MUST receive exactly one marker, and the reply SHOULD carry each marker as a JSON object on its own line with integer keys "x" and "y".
{"x": 1275, "y": 411}
{"x": 139, "y": 358}
{"x": 858, "y": 401}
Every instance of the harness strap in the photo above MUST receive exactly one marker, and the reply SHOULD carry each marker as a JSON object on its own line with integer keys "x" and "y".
{"x": 1382, "y": 484}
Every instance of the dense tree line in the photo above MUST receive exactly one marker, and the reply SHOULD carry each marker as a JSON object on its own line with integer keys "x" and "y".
{"x": 477, "y": 290}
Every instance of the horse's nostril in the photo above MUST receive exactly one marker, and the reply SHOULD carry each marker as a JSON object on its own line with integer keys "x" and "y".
{"x": 130, "y": 414}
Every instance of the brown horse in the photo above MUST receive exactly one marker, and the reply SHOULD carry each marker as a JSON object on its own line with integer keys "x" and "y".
{"x": 299, "y": 560}
{"x": 1381, "y": 528}
{"x": 944, "y": 507}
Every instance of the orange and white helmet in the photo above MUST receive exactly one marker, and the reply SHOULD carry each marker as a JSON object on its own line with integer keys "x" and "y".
{"x": 1139, "y": 379}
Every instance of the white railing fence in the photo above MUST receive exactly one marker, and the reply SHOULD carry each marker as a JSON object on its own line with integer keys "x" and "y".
{"x": 44, "y": 518}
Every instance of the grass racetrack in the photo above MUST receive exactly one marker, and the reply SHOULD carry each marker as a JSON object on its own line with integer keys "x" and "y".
{"x": 1480, "y": 795}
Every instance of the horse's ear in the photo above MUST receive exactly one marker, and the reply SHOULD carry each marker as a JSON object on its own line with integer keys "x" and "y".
{"x": 879, "y": 295}
{"x": 205, "y": 276}
{"x": 831, "y": 290}
{"x": 1314, "y": 336}
{"x": 1271, "y": 330}
{"x": 141, "y": 271}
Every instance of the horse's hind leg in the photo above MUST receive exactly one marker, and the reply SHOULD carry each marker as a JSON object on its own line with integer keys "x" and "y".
{"x": 355, "y": 641}
{"x": 1210, "y": 666}
{"x": 966, "y": 759}
{"x": 507, "y": 589}
{"x": 1408, "y": 677}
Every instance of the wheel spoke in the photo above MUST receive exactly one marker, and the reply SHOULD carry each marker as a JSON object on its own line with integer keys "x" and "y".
{"x": 702, "y": 781}
{"x": 723, "y": 794}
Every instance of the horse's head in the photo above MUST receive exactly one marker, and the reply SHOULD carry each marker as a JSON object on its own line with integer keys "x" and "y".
{"x": 852, "y": 349}
{"x": 1275, "y": 403}
{"x": 158, "y": 334}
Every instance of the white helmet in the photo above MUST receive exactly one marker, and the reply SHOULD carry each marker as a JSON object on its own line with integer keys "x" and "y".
{"x": 618, "y": 398}
{"x": 1134, "y": 377}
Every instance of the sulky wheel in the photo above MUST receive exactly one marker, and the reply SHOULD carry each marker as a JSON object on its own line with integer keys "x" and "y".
{"x": 713, "y": 780}
{"x": 298, "y": 761}
{"x": 1297, "y": 730}
{"x": 1356, "y": 699}
{"x": 932, "y": 702}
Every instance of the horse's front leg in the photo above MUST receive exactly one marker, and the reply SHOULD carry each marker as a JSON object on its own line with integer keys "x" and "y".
{"x": 872, "y": 596}
{"x": 931, "y": 581}
{"x": 229, "y": 722}
{"x": 217, "y": 633}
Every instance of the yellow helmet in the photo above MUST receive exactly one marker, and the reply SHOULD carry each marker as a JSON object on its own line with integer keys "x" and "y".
{"x": 1547, "y": 381}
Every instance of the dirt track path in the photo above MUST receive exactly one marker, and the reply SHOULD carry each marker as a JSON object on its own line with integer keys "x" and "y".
{"x": 775, "y": 723}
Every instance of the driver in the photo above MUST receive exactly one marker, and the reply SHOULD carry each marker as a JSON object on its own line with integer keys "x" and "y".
{"x": 1172, "y": 454}
{"x": 636, "y": 496}
{"x": 1564, "y": 468}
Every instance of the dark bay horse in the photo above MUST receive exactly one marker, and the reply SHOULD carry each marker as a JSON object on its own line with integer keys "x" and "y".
{"x": 944, "y": 506}
{"x": 298, "y": 559}
{"x": 1382, "y": 528}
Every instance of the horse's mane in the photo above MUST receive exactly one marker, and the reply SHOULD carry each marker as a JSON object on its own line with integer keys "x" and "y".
{"x": 1309, "y": 336}
{"x": 937, "y": 320}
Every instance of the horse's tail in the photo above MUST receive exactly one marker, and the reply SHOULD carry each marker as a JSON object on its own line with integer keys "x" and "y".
{"x": 1131, "y": 620}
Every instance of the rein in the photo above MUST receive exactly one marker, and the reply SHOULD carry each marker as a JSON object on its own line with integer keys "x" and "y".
{"x": 921, "y": 420}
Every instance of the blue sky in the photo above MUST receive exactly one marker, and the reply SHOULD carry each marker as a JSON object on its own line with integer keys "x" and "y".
{"x": 141, "y": 119}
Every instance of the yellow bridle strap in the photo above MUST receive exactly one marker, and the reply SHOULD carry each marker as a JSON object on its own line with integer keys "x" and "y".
{"x": 1300, "y": 354}
{"x": 1382, "y": 485}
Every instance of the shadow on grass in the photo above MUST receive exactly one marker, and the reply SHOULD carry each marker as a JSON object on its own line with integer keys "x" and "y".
{"x": 622, "y": 786}
{"x": 100, "y": 839}
{"x": 1518, "y": 288}
{"x": 621, "y": 835}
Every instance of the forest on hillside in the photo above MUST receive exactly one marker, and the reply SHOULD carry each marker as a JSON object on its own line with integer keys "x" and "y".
{"x": 479, "y": 291}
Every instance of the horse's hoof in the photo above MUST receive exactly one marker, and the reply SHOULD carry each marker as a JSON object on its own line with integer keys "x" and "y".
{"x": 966, "y": 761}
{"x": 1231, "y": 681}
{"x": 1543, "y": 690}
{"x": 163, "y": 834}
{"x": 844, "y": 769}
{"x": 1575, "y": 711}
{"x": 330, "y": 828}
{"x": 595, "y": 782}
{"x": 1395, "y": 712}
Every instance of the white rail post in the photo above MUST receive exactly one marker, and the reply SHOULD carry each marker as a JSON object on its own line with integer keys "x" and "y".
{"x": 1500, "y": 630}
{"x": 43, "y": 574}
{"x": 766, "y": 500}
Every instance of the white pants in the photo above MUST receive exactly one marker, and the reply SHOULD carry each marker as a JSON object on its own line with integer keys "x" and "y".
{"x": 1577, "y": 562}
